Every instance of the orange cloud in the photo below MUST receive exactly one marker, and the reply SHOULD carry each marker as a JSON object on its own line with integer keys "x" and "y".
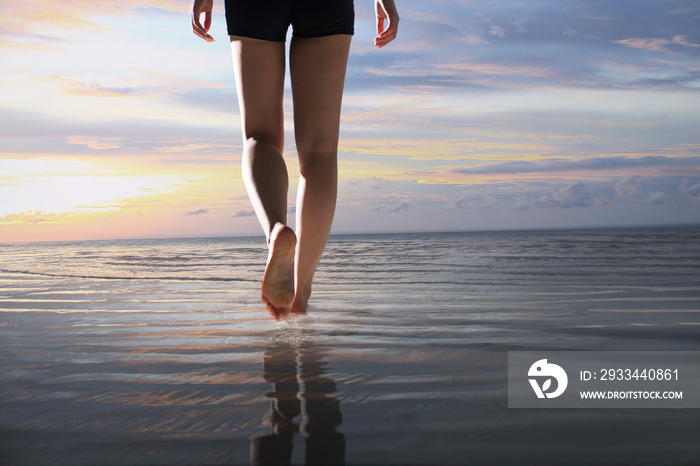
{"x": 498, "y": 69}
{"x": 91, "y": 90}
{"x": 18, "y": 16}
{"x": 105, "y": 143}
{"x": 32, "y": 217}
{"x": 448, "y": 149}
{"x": 654, "y": 45}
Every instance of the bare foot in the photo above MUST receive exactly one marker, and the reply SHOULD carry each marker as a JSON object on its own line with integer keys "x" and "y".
{"x": 301, "y": 301}
{"x": 278, "y": 281}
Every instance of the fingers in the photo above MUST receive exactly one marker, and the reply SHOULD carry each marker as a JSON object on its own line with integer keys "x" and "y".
{"x": 386, "y": 36}
{"x": 207, "y": 21}
{"x": 199, "y": 30}
{"x": 197, "y": 9}
{"x": 386, "y": 10}
{"x": 380, "y": 25}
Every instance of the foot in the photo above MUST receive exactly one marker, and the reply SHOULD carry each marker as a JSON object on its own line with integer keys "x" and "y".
{"x": 301, "y": 301}
{"x": 278, "y": 281}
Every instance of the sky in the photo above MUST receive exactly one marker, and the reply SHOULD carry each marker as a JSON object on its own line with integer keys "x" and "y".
{"x": 116, "y": 121}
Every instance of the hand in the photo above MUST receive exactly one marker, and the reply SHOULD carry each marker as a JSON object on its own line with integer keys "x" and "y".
{"x": 386, "y": 10}
{"x": 199, "y": 7}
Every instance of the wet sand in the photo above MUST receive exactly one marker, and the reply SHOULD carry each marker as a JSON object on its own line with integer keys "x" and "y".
{"x": 99, "y": 371}
{"x": 164, "y": 386}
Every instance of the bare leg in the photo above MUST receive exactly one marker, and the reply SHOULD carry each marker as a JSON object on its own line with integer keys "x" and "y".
{"x": 317, "y": 69}
{"x": 259, "y": 68}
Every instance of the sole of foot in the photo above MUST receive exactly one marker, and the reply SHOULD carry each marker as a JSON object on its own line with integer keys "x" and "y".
{"x": 278, "y": 281}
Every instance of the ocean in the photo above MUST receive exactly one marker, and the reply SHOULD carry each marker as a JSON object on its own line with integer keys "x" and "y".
{"x": 159, "y": 351}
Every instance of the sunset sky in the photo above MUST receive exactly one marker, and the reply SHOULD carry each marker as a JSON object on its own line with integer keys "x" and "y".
{"x": 116, "y": 121}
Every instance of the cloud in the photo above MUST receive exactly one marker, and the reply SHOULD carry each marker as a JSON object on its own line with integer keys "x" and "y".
{"x": 497, "y": 31}
{"x": 483, "y": 199}
{"x": 93, "y": 89}
{"x": 402, "y": 206}
{"x": 73, "y": 135}
{"x": 207, "y": 95}
{"x": 656, "y": 198}
{"x": 75, "y": 14}
{"x": 464, "y": 201}
{"x": 198, "y": 212}
{"x": 244, "y": 213}
{"x": 97, "y": 90}
{"x": 683, "y": 40}
{"x": 570, "y": 41}
{"x": 520, "y": 96}
{"x": 631, "y": 189}
{"x": 682, "y": 11}
{"x": 654, "y": 45}
{"x": 691, "y": 190}
{"x": 522, "y": 203}
{"x": 380, "y": 183}
{"x": 107, "y": 143}
{"x": 562, "y": 197}
{"x": 593, "y": 163}
{"x": 657, "y": 45}
{"x": 574, "y": 195}
{"x": 29, "y": 217}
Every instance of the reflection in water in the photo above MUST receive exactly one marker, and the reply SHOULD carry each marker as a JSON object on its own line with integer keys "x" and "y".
{"x": 300, "y": 388}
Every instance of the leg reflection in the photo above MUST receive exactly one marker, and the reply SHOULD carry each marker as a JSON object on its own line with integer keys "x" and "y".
{"x": 275, "y": 448}
{"x": 321, "y": 413}
{"x": 299, "y": 388}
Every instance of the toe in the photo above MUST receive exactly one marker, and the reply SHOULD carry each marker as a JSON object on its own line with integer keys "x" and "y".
{"x": 275, "y": 312}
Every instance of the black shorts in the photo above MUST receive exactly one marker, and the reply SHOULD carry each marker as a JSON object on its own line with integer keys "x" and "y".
{"x": 269, "y": 19}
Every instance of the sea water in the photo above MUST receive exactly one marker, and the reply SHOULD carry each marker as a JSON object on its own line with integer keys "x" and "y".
{"x": 160, "y": 351}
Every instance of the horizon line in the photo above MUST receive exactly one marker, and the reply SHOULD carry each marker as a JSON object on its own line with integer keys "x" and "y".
{"x": 502, "y": 230}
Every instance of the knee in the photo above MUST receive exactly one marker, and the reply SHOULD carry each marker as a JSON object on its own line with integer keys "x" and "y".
{"x": 318, "y": 163}
{"x": 258, "y": 139}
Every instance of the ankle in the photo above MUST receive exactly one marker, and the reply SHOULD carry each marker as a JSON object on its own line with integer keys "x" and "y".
{"x": 275, "y": 229}
{"x": 302, "y": 294}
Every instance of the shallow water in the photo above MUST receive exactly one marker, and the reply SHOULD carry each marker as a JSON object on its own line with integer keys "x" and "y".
{"x": 160, "y": 352}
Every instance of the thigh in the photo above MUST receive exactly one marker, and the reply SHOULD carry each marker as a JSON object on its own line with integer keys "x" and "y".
{"x": 317, "y": 68}
{"x": 259, "y": 68}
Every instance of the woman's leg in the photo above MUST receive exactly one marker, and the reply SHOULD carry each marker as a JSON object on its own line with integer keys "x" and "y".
{"x": 259, "y": 68}
{"x": 317, "y": 69}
